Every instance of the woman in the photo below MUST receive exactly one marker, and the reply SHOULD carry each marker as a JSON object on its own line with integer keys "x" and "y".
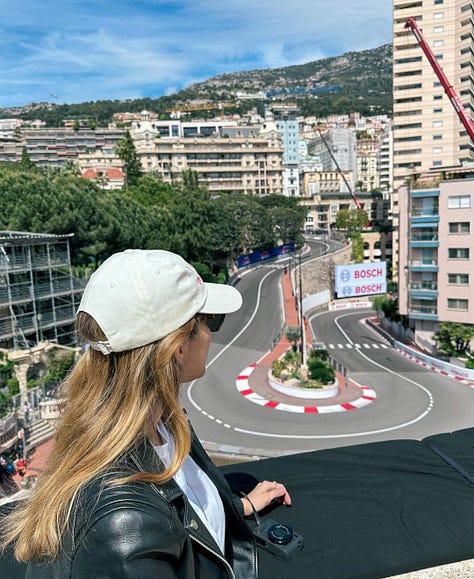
{"x": 129, "y": 492}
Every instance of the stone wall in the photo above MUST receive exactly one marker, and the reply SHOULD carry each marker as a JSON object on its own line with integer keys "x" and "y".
{"x": 318, "y": 275}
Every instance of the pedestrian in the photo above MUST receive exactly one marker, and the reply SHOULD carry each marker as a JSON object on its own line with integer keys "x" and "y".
{"x": 131, "y": 493}
{"x": 26, "y": 411}
{"x": 7, "y": 484}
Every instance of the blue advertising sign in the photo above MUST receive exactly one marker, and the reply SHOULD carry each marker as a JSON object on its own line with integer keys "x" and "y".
{"x": 263, "y": 255}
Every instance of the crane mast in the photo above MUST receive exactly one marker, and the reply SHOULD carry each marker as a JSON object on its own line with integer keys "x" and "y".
{"x": 341, "y": 173}
{"x": 448, "y": 88}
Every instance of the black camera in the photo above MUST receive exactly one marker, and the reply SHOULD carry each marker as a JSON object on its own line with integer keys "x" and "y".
{"x": 278, "y": 539}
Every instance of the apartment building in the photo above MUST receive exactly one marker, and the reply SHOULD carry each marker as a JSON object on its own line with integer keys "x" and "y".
{"x": 38, "y": 294}
{"x": 386, "y": 160}
{"x": 367, "y": 164}
{"x": 249, "y": 165}
{"x": 427, "y": 132}
{"x": 336, "y": 146}
{"x": 286, "y": 122}
{"x": 58, "y": 146}
{"x": 436, "y": 276}
{"x": 325, "y": 193}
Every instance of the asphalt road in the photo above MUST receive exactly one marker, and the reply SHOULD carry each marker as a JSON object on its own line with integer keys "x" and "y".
{"x": 411, "y": 401}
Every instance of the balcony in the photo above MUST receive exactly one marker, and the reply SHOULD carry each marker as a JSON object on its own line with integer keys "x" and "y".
{"x": 419, "y": 312}
{"x": 424, "y": 239}
{"x": 425, "y": 264}
{"x": 425, "y": 236}
{"x": 424, "y": 285}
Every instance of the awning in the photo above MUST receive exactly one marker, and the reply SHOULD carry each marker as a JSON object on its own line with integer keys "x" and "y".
{"x": 421, "y": 224}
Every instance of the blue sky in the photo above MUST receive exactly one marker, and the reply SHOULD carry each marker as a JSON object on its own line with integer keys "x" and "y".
{"x": 70, "y": 51}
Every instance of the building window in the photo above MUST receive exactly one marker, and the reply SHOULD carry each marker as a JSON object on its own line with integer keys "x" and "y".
{"x": 408, "y": 139}
{"x": 437, "y": 150}
{"x": 458, "y": 253}
{"x": 437, "y": 97}
{"x": 409, "y": 152}
{"x": 437, "y": 163}
{"x": 438, "y": 15}
{"x": 438, "y": 29}
{"x": 458, "y": 304}
{"x": 439, "y": 1}
{"x": 458, "y": 278}
{"x": 460, "y": 227}
{"x": 437, "y": 137}
{"x": 408, "y": 86}
{"x": 438, "y": 43}
{"x": 437, "y": 124}
{"x": 408, "y": 126}
{"x": 459, "y": 202}
{"x": 438, "y": 110}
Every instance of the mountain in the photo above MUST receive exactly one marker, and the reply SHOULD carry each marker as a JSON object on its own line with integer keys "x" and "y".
{"x": 364, "y": 73}
{"x": 356, "y": 81}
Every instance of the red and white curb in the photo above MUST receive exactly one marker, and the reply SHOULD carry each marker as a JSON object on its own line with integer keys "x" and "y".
{"x": 434, "y": 369}
{"x": 243, "y": 387}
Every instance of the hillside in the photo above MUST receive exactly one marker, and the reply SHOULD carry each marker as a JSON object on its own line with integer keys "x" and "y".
{"x": 356, "y": 81}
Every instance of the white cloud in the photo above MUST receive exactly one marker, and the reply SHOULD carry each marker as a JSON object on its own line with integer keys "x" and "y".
{"x": 89, "y": 50}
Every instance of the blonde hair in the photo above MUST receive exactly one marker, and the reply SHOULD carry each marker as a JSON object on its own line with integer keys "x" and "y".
{"x": 109, "y": 401}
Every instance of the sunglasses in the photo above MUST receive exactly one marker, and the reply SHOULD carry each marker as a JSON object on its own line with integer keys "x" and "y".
{"x": 214, "y": 321}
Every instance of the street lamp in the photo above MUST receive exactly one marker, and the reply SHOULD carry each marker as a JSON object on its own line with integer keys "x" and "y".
{"x": 299, "y": 304}
{"x": 300, "y": 310}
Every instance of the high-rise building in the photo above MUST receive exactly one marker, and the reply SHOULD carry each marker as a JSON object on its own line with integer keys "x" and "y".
{"x": 286, "y": 121}
{"x": 427, "y": 132}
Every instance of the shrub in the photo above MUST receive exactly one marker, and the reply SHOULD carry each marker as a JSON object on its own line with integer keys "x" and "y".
{"x": 320, "y": 371}
{"x": 319, "y": 355}
{"x": 277, "y": 368}
{"x": 13, "y": 386}
{"x": 293, "y": 333}
{"x": 5, "y": 404}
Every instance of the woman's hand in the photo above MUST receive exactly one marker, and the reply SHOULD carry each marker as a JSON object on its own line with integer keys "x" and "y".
{"x": 263, "y": 494}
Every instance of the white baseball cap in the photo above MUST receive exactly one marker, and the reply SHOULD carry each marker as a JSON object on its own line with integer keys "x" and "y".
{"x": 139, "y": 296}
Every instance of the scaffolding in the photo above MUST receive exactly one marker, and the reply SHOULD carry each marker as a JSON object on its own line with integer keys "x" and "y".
{"x": 38, "y": 294}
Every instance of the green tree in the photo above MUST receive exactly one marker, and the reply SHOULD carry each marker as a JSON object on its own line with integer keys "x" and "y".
{"x": 378, "y": 302}
{"x": 126, "y": 151}
{"x": 351, "y": 219}
{"x": 357, "y": 246}
{"x": 58, "y": 366}
{"x": 26, "y": 162}
{"x": 453, "y": 339}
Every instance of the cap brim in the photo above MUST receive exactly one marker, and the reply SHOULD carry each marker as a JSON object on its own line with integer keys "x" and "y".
{"x": 221, "y": 299}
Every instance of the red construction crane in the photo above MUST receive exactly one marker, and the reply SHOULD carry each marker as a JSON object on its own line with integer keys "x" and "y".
{"x": 448, "y": 88}
{"x": 341, "y": 173}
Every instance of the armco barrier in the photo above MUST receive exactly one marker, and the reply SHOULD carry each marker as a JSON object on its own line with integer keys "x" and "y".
{"x": 434, "y": 364}
{"x": 427, "y": 361}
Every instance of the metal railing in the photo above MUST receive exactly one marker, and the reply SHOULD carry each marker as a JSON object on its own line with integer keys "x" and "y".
{"x": 424, "y": 237}
{"x": 428, "y": 310}
{"x": 422, "y": 212}
{"x": 424, "y": 285}
{"x": 423, "y": 262}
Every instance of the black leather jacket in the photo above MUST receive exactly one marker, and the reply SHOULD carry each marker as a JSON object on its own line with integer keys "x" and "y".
{"x": 147, "y": 531}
